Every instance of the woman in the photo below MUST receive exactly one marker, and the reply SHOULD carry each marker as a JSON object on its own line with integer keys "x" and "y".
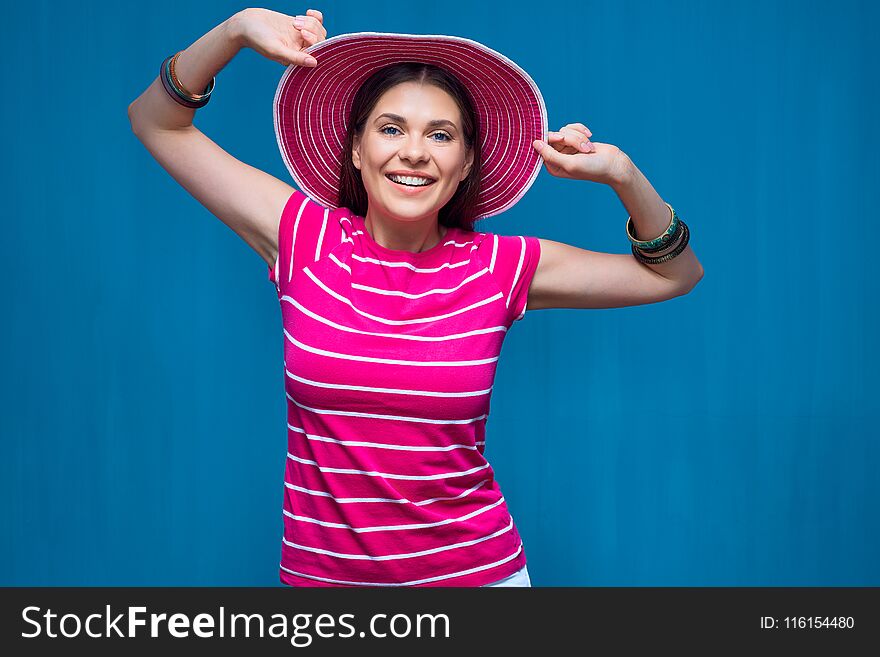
{"x": 394, "y": 307}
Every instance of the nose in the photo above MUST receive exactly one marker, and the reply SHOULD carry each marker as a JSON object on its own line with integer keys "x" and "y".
{"x": 414, "y": 149}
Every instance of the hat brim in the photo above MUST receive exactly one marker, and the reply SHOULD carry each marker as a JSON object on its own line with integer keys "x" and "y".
{"x": 312, "y": 106}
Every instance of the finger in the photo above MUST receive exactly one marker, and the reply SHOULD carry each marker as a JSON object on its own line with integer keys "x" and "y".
{"x": 582, "y": 127}
{"x": 549, "y": 154}
{"x": 309, "y": 23}
{"x": 301, "y": 58}
{"x": 580, "y": 140}
{"x": 309, "y": 37}
{"x": 320, "y": 30}
{"x": 575, "y": 139}
{"x": 558, "y": 141}
{"x": 315, "y": 26}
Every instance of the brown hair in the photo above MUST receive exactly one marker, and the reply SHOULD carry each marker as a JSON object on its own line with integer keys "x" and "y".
{"x": 461, "y": 209}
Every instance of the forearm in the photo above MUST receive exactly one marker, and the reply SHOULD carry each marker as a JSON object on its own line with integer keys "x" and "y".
{"x": 194, "y": 68}
{"x": 650, "y": 218}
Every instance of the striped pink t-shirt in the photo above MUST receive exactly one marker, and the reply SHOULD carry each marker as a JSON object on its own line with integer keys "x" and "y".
{"x": 389, "y": 364}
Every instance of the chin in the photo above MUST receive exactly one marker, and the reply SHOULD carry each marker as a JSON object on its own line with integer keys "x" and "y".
{"x": 410, "y": 211}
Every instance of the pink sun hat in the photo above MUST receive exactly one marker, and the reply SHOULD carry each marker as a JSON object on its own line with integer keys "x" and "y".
{"x": 312, "y": 106}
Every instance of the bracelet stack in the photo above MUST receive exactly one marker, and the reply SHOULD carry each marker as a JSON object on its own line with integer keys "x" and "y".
{"x": 646, "y": 251}
{"x": 177, "y": 91}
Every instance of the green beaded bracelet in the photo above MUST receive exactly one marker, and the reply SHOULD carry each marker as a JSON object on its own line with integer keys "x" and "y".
{"x": 657, "y": 241}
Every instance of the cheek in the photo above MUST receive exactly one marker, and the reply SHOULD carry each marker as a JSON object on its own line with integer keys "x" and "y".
{"x": 452, "y": 163}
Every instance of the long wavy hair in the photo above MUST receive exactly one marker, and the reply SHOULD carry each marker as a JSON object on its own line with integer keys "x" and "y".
{"x": 460, "y": 210}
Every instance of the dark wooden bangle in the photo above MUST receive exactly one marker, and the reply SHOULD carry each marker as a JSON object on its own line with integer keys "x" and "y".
{"x": 669, "y": 256}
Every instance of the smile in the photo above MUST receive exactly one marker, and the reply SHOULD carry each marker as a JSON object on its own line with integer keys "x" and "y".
{"x": 409, "y": 181}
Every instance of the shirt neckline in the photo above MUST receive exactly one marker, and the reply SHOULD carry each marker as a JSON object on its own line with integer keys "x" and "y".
{"x": 402, "y": 253}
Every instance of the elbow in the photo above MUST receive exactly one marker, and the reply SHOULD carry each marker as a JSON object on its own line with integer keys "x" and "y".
{"x": 684, "y": 286}
{"x": 131, "y": 117}
{"x": 136, "y": 119}
{"x": 694, "y": 281}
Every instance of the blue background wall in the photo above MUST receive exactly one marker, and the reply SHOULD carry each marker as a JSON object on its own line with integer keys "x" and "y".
{"x": 142, "y": 400}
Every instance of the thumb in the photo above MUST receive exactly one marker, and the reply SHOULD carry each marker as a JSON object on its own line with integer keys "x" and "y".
{"x": 548, "y": 153}
{"x": 300, "y": 58}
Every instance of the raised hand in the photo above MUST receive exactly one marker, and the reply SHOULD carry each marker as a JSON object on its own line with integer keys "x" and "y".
{"x": 280, "y": 37}
{"x": 571, "y": 154}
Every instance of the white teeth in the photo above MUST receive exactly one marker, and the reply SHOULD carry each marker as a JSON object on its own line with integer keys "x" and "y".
{"x": 410, "y": 180}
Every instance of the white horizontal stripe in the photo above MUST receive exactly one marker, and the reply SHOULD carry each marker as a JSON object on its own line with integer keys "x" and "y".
{"x": 439, "y": 338}
{"x": 389, "y": 361}
{"x": 393, "y": 528}
{"x": 408, "y": 295}
{"x": 399, "y": 322}
{"x": 396, "y": 391}
{"x": 341, "y": 264}
{"x": 411, "y": 582}
{"x": 402, "y": 500}
{"x": 343, "y": 500}
{"x": 409, "y": 265}
{"x": 361, "y": 443}
{"x": 387, "y": 475}
{"x": 378, "y": 416}
{"x": 404, "y": 555}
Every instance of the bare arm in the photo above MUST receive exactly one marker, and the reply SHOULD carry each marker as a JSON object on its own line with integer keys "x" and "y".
{"x": 571, "y": 277}
{"x": 246, "y": 199}
{"x": 650, "y": 217}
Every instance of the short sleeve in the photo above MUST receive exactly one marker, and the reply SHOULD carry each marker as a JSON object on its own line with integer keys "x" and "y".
{"x": 304, "y": 235}
{"x": 513, "y": 260}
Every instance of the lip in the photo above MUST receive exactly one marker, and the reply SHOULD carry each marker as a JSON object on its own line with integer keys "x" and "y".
{"x": 405, "y": 189}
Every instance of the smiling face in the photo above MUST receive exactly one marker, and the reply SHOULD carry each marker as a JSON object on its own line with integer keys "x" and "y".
{"x": 414, "y": 129}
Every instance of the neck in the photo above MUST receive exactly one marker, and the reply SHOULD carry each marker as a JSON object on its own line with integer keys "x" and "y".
{"x": 413, "y": 236}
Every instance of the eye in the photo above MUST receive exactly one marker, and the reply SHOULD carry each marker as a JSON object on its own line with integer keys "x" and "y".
{"x": 388, "y": 127}
{"x": 442, "y": 134}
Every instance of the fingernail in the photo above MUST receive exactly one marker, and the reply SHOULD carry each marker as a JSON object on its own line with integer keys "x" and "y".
{"x": 298, "y": 21}
{"x": 585, "y": 145}
{"x": 312, "y": 61}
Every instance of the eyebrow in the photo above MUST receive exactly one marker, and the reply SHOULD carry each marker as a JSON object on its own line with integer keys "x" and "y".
{"x": 431, "y": 124}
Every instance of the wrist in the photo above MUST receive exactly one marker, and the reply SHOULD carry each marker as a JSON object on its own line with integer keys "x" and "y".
{"x": 621, "y": 170}
{"x": 233, "y": 31}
